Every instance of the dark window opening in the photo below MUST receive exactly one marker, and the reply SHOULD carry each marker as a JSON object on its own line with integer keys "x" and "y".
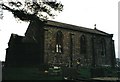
{"x": 103, "y": 47}
{"x": 82, "y": 44}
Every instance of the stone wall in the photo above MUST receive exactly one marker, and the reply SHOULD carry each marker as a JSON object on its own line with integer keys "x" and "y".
{"x": 84, "y": 59}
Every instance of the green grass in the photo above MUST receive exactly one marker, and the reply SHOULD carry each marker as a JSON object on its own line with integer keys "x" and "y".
{"x": 37, "y": 74}
{"x": 27, "y": 74}
{"x": 84, "y": 73}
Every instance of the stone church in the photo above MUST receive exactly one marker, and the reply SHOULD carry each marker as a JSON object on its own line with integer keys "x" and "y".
{"x": 60, "y": 44}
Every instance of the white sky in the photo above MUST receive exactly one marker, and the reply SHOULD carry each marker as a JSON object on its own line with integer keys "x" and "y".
{"x": 84, "y": 13}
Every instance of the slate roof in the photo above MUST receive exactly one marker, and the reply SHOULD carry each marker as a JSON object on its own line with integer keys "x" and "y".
{"x": 77, "y": 28}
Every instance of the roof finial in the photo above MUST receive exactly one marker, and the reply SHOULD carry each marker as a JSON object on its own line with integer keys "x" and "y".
{"x": 95, "y": 26}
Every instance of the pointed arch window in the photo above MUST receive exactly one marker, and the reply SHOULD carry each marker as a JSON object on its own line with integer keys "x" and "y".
{"x": 59, "y": 42}
{"x": 103, "y": 47}
{"x": 82, "y": 44}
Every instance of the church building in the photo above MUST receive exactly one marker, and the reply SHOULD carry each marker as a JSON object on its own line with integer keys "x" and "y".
{"x": 60, "y": 44}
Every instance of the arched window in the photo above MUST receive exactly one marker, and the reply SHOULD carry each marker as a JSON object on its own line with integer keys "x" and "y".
{"x": 103, "y": 47}
{"x": 82, "y": 44}
{"x": 59, "y": 42}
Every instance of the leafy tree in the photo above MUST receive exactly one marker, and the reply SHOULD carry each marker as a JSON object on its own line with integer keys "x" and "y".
{"x": 35, "y": 9}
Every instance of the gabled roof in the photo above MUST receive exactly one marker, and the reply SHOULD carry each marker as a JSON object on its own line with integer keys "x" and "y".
{"x": 77, "y": 28}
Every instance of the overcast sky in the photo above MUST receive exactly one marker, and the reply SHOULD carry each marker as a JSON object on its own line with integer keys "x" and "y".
{"x": 86, "y": 13}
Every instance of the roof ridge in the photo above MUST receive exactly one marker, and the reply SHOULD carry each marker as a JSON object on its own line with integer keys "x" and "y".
{"x": 69, "y": 24}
